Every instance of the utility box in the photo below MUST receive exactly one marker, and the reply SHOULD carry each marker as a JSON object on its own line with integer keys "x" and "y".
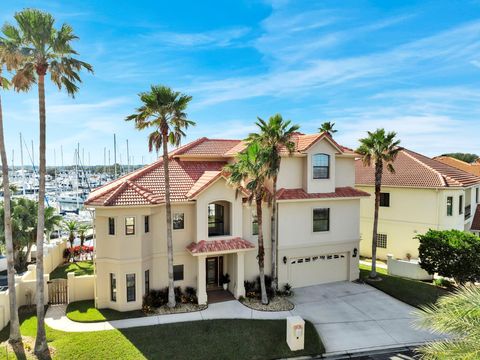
{"x": 295, "y": 333}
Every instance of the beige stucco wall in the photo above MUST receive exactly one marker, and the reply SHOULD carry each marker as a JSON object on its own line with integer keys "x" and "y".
{"x": 296, "y": 236}
{"x": 412, "y": 211}
{"x": 80, "y": 287}
{"x": 292, "y": 170}
{"x": 345, "y": 171}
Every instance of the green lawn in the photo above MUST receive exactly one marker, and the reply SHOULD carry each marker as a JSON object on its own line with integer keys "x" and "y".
{"x": 84, "y": 311}
{"x": 80, "y": 268}
{"x": 413, "y": 292}
{"x": 208, "y": 339}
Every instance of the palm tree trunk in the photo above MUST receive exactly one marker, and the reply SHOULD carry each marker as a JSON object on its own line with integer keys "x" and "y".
{"x": 273, "y": 232}
{"x": 261, "y": 251}
{"x": 12, "y": 297}
{"x": 41, "y": 340}
{"x": 378, "y": 184}
{"x": 168, "y": 210}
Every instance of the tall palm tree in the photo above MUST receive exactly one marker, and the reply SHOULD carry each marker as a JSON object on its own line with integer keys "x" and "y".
{"x": 274, "y": 135}
{"x": 378, "y": 148}
{"x": 71, "y": 226}
{"x": 455, "y": 314}
{"x": 163, "y": 110}
{"x": 327, "y": 127}
{"x": 82, "y": 232}
{"x": 250, "y": 171}
{"x": 15, "y": 335}
{"x": 44, "y": 49}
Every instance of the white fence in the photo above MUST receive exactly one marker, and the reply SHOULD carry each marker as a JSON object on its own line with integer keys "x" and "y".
{"x": 406, "y": 268}
{"x": 25, "y": 284}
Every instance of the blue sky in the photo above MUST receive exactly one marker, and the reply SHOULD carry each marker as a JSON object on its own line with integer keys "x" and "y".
{"x": 408, "y": 66}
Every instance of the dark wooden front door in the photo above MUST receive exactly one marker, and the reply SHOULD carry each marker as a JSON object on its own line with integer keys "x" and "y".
{"x": 214, "y": 269}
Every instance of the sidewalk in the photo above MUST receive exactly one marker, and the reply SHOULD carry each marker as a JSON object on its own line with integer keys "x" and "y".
{"x": 57, "y": 319}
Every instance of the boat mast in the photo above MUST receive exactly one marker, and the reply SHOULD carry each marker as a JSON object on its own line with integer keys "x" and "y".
{"x": 128, "y": 159}
{"x": 77, "y": 158}
{"x": 21, "y": 164}
{"x": 115, "y": 154}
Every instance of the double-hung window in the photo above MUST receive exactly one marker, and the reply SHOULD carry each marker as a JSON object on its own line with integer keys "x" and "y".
{"x": 130, "y": 287}
{"x": 254, "y": 223}
{"x": 111, "y": 226}
{"x": 449, "y": 205}
{"x": 385, "y": 199}
{"x": 321, "y": 166}
{"x": 178, "y": 221}
{"x": 130, "y": 225}
{"x": 113, "y": 287}
{"x": 177, "y": 272}
{"x": 321, "y": 220}
{"x": 147, "y": 281}
{"x": 147, "y": 224}
{"x": 460, "y": 205}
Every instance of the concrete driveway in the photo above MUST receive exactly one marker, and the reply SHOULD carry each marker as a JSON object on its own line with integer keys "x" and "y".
{"x": 353, "y": 318}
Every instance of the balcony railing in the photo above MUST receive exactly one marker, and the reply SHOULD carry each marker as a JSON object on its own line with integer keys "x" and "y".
{"x": 468, "y": 211}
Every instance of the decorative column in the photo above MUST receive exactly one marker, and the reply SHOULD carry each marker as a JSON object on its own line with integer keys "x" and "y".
{"x": 240, "y": 276}
{"x": 201, "y": 281}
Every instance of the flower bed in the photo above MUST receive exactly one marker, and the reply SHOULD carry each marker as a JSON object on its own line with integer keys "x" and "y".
{"x": 278, "y": 303}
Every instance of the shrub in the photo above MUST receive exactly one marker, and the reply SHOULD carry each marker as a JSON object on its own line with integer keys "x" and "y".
{"x": 442, "y": 282}
{"x": 191, "y": 294}
{"x": 178, "y": 293}
{"x": 287, "y": 290}
{"x": 268, "y": 286}
{"x": 451, "y": 253}
{"x": 250, "y": 288}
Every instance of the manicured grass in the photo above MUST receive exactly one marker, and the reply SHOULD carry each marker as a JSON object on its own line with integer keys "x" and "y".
{"x": 413, "y": 292}
{"x": 80, "y": 268}
{"x": 208, "y": 339}
{"x": 84, "y": 311}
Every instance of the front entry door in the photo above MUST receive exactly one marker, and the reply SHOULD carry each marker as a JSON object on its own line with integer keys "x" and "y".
{"x": 212, "y": 272}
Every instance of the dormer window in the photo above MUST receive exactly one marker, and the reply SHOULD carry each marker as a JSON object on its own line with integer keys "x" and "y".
{"x": 321, "y": 166}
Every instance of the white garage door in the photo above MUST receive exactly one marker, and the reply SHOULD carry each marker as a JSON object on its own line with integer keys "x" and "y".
{"x": 317, "y": 269}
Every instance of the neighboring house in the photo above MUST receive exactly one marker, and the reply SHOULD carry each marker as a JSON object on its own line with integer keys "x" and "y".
{"x": 422, "y": 194}
{"x": 473, "y": 168}
{"x": 214, "y": 228}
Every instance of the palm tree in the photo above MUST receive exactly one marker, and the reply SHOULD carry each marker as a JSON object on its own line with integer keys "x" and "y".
{"x": 164, "y": 110}
{"x": 328, "y": 128}
{"x": 43, "y": 49}
{"x": 71, "y": 226}
{"x": 274, "y": 135}
{"x": 378, "y": 148}
{"x": 82, "y": 232}
{"x": 455, "y": 314}
{"x": 15, "y": 335}
{"x": 250, "y": 171}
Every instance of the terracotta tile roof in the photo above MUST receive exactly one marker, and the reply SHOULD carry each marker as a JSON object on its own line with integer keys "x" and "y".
{"x": 302, "y": 144}
{"x": 476, "y": 220}
{"x": 299, "y": 194}
{"x": 147, "y": 186}
{"x": 473, "y": 168}
{"x": 416, "y": 170}
{"x": 212, "y": 246}
{"x": 205, "y": 147}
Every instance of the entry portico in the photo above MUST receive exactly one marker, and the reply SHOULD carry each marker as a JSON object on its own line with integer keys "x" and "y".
{"x": 209, "y": 268}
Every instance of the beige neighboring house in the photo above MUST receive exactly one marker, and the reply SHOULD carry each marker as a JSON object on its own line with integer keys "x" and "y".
{"x": 422, "y": 194}
{"x": 214, "y": 231}
{"x": 473, "y": 168}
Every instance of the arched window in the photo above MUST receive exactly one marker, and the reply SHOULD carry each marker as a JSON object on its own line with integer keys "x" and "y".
{"x": 321, "y": 166}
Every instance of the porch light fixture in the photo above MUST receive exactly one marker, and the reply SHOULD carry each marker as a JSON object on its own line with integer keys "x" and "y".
{"x": 285, "y": 260}
{"x": 355, "y": 251}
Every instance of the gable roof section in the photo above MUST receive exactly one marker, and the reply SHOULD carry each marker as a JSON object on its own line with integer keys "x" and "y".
{"x": 473, "y": 168}
{"x": 302, "y": 143}
{"x": 415, "y": 170}
{"x": 146, "y": 186}
{"x": 205, "y": 147}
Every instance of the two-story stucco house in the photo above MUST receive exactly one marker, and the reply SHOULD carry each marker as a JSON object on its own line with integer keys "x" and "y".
{"x": 214, "y": 230}
{"x": 422, "y": 194}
